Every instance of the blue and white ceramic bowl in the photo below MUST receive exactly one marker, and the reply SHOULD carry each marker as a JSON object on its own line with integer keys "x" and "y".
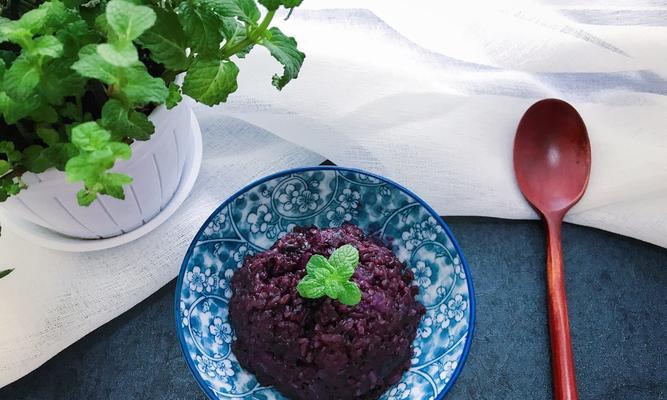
{"x": 254, "y": 218}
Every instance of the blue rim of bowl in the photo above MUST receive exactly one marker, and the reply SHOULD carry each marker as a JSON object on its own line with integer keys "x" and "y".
{"x": 188, "y": 254}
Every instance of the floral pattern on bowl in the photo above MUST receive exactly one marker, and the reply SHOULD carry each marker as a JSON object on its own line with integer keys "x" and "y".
{"x": 254, "y": 218}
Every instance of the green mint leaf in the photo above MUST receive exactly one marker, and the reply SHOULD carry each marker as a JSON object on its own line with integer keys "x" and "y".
{"x": 20, "y": 36}
{"x": 33, "y": 20}
{"x": 11, "y": 187}
{"x": 91, "y": 166}
{"x": 331, "y": 276}
{"x": 44, "y": 19}
{"x": 15, "y": 156}
{"x": 120, "y": 55}
{"x": 34, "y": 159}
{"x": 76, "y": 35}
{"x": 5, "y": 166}
{"x": 350, "y": 294}
{"x": 92, "y": 65}
{"x": 344, "y": 271}
{"x": 8, "y": 187}
{"x": 244, "y": 10}
{"x": 210, "y": 81}
{"x": 45, "y": 113}
{"x": 117, "y": 179}
{"x": 48, "y": 135}
{"x": 102, "y": 25}
{"x": 346, "y": 255}
{"x": 201, "y": 25}
{"x": 14, "y": 110}
{"x": 333, "y": 288}
{"x": 292, "y": 3}
{"x": 125, "y": 122}
{"x": 272, "y": 5}
{"x": 99, "y": 159}
{"x": 7, "y": 147}
{"x": 90, "y": 136}
{"x": 244, "y": 52}
{"x": 71, "y": 111}
{"x": 120, "y": 150}
{"x": 283, "y": 48}
{"x": 21, "y": 78}
{"x": 5, "y": 272}
{"x": 59, "y": 153}
{"x": 141, "y": 88}
{"x": 57, "y": 15}
{"x": 174, "y": 96}
{"x": 80, "y": 168}
{"x": 310, "y": 288}
{"x": 6, "y": 26}
{"x": 113, "y": 185}
{"x": 10, "y": 29}
{"x": 114, "y": 191}
{"x": 319, "y": 268}
{"x": 47, "y": 46}
{"x": 127, "y": 20}
{"x": 166, "y": 41}
{"x": 59, "y": 81}
{"x": 85, "y": 197}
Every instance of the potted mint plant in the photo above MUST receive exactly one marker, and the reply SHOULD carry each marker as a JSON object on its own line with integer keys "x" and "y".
{"x": 92, "y": 107}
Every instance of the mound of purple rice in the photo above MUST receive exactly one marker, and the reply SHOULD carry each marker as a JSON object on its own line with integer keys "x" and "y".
{"x": 321, "y": 349}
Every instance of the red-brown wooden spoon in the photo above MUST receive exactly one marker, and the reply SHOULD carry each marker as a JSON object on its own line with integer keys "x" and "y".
{"x": 552, "y": 163}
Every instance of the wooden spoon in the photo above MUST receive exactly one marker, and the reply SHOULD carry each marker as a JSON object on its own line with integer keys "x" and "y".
{"x": 552, "y": 163}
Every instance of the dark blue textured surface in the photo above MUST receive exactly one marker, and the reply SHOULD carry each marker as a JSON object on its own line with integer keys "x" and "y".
{"x": 617, "y": 292}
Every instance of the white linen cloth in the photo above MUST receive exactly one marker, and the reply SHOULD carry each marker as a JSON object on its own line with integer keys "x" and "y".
{"x": 428, "y": 93}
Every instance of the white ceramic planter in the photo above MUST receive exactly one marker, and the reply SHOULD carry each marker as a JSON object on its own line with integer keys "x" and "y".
{"x": 157, "y": 166}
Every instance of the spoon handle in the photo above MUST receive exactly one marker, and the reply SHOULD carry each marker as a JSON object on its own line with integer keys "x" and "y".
{"x": 562, "y": 361}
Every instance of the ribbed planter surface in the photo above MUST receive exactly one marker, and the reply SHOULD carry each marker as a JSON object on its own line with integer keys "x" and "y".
{"x": 156, "y": 165}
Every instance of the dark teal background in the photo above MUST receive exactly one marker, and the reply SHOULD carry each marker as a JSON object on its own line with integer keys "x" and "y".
{"x": 617, "y": 293}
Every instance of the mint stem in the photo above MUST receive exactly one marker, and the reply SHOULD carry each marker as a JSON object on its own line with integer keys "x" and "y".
{"x": 251, "y": 39}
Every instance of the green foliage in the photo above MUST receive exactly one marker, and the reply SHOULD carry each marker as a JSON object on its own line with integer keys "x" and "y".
{"x": 283, "y": 48}
{"x": 274, "y": 4}
{"x": 6, "y": 272}
{"x": 166, "y": 41}
{"x": 174, "y": 96}
{"x": 97, "y": 153}
{"x": 210, "y": 80}
{"x": 201, "y": 24}
{"x": 117, "y": 117}
{"x": 78, "y": 78}
{"x": 332, "y": 277}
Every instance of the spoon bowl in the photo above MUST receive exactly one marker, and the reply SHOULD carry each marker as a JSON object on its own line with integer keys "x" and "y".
{"x": 552, "y": 156}
{"x": 552, "y": 163}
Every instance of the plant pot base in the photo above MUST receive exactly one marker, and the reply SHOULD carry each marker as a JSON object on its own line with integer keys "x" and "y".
{"x": 53, "y": 240}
